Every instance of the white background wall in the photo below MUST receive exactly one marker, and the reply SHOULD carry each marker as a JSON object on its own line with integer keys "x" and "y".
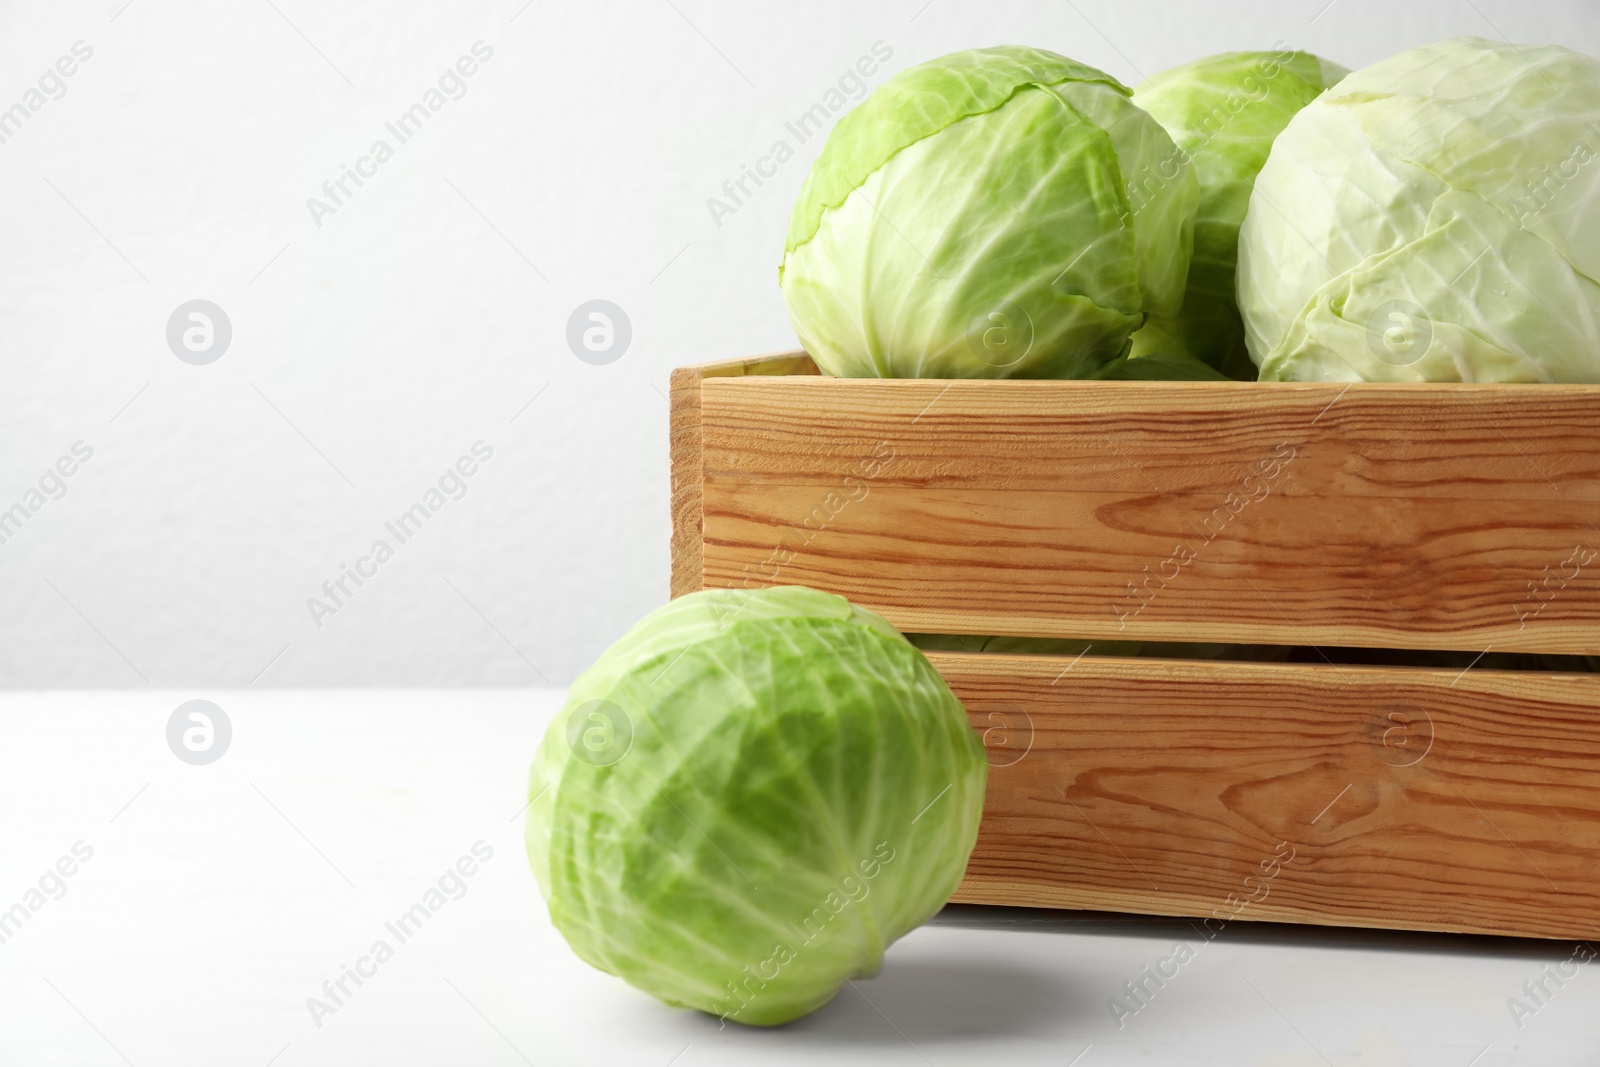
{"x": 370, "y": 352}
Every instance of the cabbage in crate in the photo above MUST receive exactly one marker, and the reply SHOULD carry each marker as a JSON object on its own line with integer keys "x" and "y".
{"x": 1433, "y": 217}
{"x": 1224, "y": 112}
{"x": 748, "y": 797}
{"x": 997, "y": 213}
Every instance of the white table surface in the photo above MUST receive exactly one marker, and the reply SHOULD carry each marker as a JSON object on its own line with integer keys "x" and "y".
{"x": 219, "y": 898}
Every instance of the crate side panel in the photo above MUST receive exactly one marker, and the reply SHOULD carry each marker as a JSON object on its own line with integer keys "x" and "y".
{"x": 1392, "y": 798}
{"x": 1364, "y": 440}
{"x": 1282, "y": 570}
{"x": 1249, "y": 512}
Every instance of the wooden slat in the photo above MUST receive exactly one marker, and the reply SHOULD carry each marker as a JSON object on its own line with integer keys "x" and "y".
{"x": 1409, "y": 799}
{"x": 687, "y": 469}
{"x": 1398, "y": 516}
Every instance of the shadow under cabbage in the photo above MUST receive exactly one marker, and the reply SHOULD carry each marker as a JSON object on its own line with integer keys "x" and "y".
{"x": 943, "y": 998}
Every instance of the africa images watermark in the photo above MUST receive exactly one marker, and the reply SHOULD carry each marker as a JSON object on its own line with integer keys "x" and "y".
{"x": 726, "y": 604}
{"x": 452, "y": 85}
{"x": 1253, "y": 88}
{"x": 51, "y": 485}
{"x": 852, "y": 490}
{"x": 1253, "y": 489}
{"x": 51, "y": 885}
{"x": 199, "y": 732}
{"x": 1541, "y": 192}
{"x": 851, "y": 86}
{"x": 451, "y": 885}
{"x": 1537, "y": 994}
{"x": 1541, "y": 592}
{"x": 1400, "y": 332}
{"x": 52, "y": 85}
{"x": 452, "y": 485}
{"x": 1140, "y": 991}
{"x": 851, "y": 889}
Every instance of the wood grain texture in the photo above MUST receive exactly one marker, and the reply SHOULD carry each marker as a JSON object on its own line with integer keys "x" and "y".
{"x": 1407, "y": 798}
{"x": 685, "y": 446}
{"x": 1443, "y": 516}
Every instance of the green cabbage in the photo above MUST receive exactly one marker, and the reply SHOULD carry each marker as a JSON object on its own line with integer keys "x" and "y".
{"x": 975, "y": 217}
{"x": 1164, "y": 367}
{"x": 748, "y": 797}
{"x": 1434, "y": 217}
{"x": 1224, "y": 113}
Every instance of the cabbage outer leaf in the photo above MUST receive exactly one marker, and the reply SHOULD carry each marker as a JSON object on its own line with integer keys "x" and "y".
{"x": 1461, "y": 182}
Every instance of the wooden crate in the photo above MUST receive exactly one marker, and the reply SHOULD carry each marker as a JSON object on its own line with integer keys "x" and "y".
{"x": 1453, "y": 517}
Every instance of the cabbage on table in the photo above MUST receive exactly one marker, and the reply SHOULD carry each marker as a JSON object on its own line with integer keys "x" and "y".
{"x": 748, "y": 797}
